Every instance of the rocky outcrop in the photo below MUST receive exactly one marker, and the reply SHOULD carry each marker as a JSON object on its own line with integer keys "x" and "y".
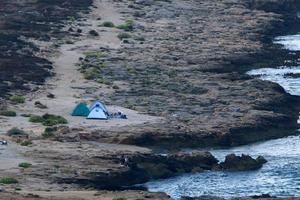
{"x": 141, "y": 168}
{"x": 242, "y": 163}
{"x": 204, "y": 95}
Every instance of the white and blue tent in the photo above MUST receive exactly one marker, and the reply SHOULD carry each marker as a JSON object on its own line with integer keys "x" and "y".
{"x": 99, "y": 104}
{"x": 97, "y": 113}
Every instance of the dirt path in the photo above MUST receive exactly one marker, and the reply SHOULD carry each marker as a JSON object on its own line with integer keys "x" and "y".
{"x": 69, "y": 86}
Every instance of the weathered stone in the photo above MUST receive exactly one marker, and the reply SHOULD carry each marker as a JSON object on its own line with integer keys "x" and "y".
{"x": 242, "y": 163}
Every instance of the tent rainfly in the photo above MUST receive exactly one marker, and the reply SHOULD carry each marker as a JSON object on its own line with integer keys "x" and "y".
{"x": 81, "y": 110}
{"x": 99, "y": 104}
{"x": 97, "y": 113}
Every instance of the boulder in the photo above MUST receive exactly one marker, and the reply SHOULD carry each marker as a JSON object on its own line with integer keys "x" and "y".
{"x": 242, "y": 163}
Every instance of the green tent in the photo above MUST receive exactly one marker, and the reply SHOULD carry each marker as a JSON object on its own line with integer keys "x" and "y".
{"x": 81, "y": 110}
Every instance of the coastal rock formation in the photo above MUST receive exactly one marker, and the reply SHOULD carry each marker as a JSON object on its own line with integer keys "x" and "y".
{"x": 185, "y": 61}
{"x": 242, "y": 163}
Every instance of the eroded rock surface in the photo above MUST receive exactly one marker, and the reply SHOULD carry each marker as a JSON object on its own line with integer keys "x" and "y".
{"x": 241, "y": 163}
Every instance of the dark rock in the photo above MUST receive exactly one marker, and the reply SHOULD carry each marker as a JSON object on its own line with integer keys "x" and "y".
{"x": 93, "y": 33}
{"x": 242, "y": 163}
{"x": 50, "y": 95}
{"x": 71, "y": 29}
{"x": 38, "y": 104}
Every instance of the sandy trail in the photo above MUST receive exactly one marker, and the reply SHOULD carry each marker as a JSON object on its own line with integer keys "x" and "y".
{"x": 69, "y": 86}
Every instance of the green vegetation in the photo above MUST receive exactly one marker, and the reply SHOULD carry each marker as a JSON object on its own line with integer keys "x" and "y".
{"x": 25, "y": 165}
{"x": 48, "y": 133}
{"x": 119, "y": 198}
{"x": 128, "y": 26}
{"x": 122, "y": 36}
{"x": 36, "y": 119}
{"x": 8, "y": 113}
{"x": 17, "y": 99}
{"x": 48, "y": 119}
{"x": 91, "y": 73}
{"x": 93, "y": 54}
{"x": 15, "y": 132}
{"x": 8, "y": 180}
{"x": 26, "y": 143}
{"x": 108, "y": 24}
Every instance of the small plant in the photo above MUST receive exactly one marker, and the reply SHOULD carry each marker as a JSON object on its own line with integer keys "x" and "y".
{"x": 36, "y": 119}
{"x": 91, "y": 54}
{"x": 91, "y": 73}
{"x": 108, "y": 24}
{"x": 48, "y": 119}
{"x": 47, "y": 134}
{"x": 51, "y": 120}
{"x": 15, "y": 132}
{"x": 93, "y": 33}
{"x": 128, "y": 26}
{"x": 25, "y": 165}
{"x": 122, "y": 36}
{"x": 116, "y": 87}
{"x": 119, "y": 198}
{"x": 8, "y": 113}
{"x": 26, "y": 143}
{"x": 17, "y": 99}
{"x": 8, "y": 180}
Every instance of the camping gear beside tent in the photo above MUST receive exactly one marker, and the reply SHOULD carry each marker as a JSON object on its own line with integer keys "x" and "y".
{"x": 99, "y": 104}
{"x": 97, "y": 113}
{"x": 81, "y": 110}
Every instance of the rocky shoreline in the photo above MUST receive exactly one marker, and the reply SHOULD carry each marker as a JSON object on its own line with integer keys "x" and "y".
{"x": 181, "y": 61}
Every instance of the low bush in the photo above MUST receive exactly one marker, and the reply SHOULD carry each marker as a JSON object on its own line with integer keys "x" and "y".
{"x": 36, "y": 119}
{"x": 8, "y": 180}
{"x": 8, "y": 113}
{"x": 47, "y": 134}
{"x": 25, "y": 165}
{"x": 108, "y": 24}
{"x": 122, "y": 36}
{"x": 17, "y": 99}
{"x": 48, "y": 119}
{"x": 26, "y": 143}
{"x": 51, "y": 120}
{"x": 15, "y": 132}
{"x": 128, "y": 26}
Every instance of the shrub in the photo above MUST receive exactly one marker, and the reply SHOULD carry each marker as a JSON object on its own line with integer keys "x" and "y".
{"x": 8, "y": 180}
{"x": 128, "y": 26}
{"x": 15, "y": 132}
{"x": 108, "y": 24}
{"x": 93, "y": 33}
{"x": 48, "y": 119}
{"x": 25, "y": 165}
{"x": 8, "y": 113}
{"x": 91, "y": 73}
{"x": 17, "y": 99}
{"x": 26, "y": 143}
{"x": 122, "y": 36}
{"x": 51, "y": 120}
{"x": 47, "y": 134}
{"x": 36, "y": 119}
